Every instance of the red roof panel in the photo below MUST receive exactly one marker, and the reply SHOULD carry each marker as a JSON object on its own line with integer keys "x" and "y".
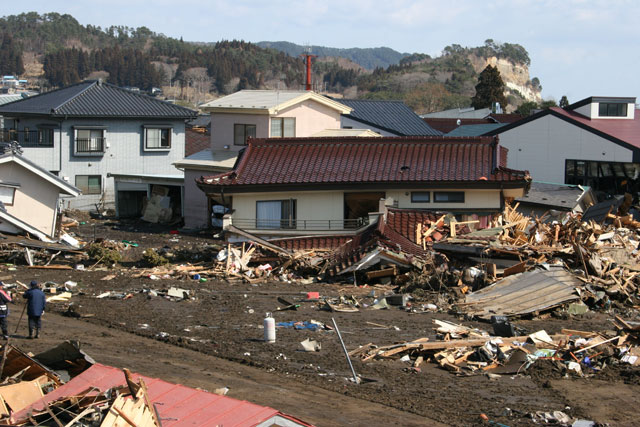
{"x": 178, "y": 405}
{"x": 624, "y": 130}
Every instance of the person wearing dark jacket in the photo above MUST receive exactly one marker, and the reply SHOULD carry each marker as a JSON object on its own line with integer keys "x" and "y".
{"x": 35, "y": 307}
{"x": 5, "y": 298}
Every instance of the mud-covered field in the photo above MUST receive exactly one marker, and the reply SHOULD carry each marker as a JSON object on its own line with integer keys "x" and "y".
{"x": 225, "y": 320}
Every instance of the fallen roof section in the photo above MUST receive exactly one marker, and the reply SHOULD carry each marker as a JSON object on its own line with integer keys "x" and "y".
{"x": 176, "y": 405}
{"x": 524, "y": 293}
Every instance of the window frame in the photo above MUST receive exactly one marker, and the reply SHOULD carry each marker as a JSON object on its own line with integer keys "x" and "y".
{"x": 416, "y": 193}
{"x": 245, "y": 134}
{"x": 82, "y": 188}
{"x": 103, "y": 142}
{"x": 12, "y": 189}
{"x": 441, "y": 193}
{"x": 289, "y": 223}
{"x": 161, "y": 128}
{"x": 282, "y": 121}
{"x": 621, "y": 109}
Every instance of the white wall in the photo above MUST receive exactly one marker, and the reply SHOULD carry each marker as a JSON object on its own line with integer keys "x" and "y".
{"x": 542, "y": 146}
{"x": 125, "y": 154}
{"x": 592, "y": 111}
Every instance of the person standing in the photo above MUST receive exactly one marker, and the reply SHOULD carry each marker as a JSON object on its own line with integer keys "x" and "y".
{"x": 5, "y": 298}
{"x": 35, "y": 307}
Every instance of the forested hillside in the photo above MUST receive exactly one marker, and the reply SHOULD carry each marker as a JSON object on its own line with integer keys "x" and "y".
{"x": 54, "y": 50}
{"x": 368, "y": 58}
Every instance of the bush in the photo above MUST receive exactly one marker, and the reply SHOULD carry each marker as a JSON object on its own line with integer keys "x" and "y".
{"x": 103, "y": 254}
{"x": 153, "y": 258}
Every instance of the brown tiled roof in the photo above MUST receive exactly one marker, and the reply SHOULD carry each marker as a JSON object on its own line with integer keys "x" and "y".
{"x": 312, "y": 242}
{"x": 195, "y": 142}
{"x": 348, "y": 160}
{"x": 404, "y": 221}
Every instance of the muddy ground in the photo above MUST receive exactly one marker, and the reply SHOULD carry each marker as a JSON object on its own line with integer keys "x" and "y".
{"x": 224, "y": 320}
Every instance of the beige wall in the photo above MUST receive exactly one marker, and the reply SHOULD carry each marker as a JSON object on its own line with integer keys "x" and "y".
{"x": 473, "y": 199}
{"x": 35, "y": 202}
{"x": 324, "y": 205}
{"x": 311, "y": 117}
{"x": 222, "y": 128}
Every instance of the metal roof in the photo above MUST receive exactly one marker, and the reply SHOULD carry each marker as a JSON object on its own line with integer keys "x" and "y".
{"x": 262, "y": 99}
{"x": 475, "y": 130}
{"x": 96, "y": 99}
{"x": 393, "y": 116}
{"x": 459, "y": 113}
{"x": 524, "y": 293}
{"x": 270, "y": 101}
{"x": 558, "y": 196}
{"x": 177, "y": 405}
{"x": 379, "y": 161}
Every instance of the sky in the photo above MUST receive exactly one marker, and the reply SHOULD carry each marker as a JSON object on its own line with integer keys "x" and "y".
{"x": 578, "y": 48}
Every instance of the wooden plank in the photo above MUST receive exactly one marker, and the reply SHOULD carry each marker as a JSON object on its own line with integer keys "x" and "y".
{"x": 51, "y": 267}
{"x": 442, "y": 345}
{"x": 518, "y": 268}
{"x": 20, "y": 395}
{"x": 258, "y": 241}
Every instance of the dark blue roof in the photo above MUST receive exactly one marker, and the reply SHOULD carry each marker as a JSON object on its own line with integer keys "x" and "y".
{"x": 95, "y": 99}
{"x": 475, "y": 130}
{"x": 393, "y": 116}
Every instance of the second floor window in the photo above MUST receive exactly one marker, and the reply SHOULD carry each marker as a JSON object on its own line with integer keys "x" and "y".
{"x": 157, "y": 138}
{"x": 89, "y": 141}
{"x": 242, "y": 132}
{"x": 612, "y": 109}
{"x": 283, "y": 127}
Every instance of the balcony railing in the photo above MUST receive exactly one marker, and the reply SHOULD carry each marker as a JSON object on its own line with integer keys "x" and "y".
{"x": 90, "y": 145}
{"x": 29, "y": 138}
{"x": 300, "y": 224}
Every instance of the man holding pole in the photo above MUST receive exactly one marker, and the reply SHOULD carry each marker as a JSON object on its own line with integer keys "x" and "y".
{"x": 35, "y": 307}
{"x": 5, "y": 298}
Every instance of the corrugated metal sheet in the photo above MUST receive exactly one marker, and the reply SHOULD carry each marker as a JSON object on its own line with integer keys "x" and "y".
{"x": 524, "y": 293}
{"x": 177, "y": 405}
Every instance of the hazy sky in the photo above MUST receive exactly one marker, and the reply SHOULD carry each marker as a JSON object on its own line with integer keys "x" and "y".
{"x": 578, "y": 48}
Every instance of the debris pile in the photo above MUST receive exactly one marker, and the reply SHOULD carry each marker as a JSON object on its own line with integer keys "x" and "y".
{"x": 466, "y": 351}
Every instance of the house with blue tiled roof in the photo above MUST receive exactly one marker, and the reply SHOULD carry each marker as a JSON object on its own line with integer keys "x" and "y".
{"x": 115, "y": 145}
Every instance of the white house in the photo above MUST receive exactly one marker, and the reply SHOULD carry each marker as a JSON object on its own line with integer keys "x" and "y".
{"x": 594, "y": 142}
{"x": 111, "y": 143}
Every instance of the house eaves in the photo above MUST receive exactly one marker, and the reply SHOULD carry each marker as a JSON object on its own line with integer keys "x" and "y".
{"x": 64, "y": 186}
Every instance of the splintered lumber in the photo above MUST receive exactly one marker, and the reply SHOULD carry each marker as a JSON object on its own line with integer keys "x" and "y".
{"x": 259, "y": 241}
{"x": 393, "y": 271}
{"x": 476, "y": 342}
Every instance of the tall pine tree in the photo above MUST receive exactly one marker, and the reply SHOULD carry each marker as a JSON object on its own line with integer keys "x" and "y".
{"x": 489, "y": 90}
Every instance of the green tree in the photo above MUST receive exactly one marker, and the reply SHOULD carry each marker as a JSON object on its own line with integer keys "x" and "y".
{"x": 564, "y": 102}
{"x": 548, "y": 104}
{"x": 526, "y": 108}
{"x": 489, "y": 90}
